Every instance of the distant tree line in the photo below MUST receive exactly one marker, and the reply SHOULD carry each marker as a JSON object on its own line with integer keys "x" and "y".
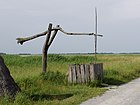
{"x": 24, "y": 54}
{"x": 2, "y": 53}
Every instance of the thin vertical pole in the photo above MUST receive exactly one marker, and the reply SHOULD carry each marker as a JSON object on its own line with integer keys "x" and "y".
{"x": 95, "y": 35}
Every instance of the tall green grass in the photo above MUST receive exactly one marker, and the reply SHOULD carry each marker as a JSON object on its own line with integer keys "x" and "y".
{"x": 52, "y": 88}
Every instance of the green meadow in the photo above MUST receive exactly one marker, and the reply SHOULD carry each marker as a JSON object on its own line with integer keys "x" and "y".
{"x": 52, "y": 88}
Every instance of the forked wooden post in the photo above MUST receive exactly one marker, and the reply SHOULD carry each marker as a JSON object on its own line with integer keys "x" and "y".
{"x": 49, "y": 39}
{"x": 45, "y": 49}
{"x": 48, "y": 42}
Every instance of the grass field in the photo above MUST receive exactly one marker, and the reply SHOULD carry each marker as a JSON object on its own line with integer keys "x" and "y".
{"x": 53, "y": 89}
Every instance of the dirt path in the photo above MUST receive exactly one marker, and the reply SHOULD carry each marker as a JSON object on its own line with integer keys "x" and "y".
{"x": 128, "y": 94}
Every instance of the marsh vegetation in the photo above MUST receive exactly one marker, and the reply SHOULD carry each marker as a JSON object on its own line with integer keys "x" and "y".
{"x": 52, "y": 88}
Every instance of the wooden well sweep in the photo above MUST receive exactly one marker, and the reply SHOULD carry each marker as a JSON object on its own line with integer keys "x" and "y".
{"x": 85, "y": 73}
{"x": 77, "y": 73}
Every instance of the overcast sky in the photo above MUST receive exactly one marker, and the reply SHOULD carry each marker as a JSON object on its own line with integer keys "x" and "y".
{"x": 118, "y": 21}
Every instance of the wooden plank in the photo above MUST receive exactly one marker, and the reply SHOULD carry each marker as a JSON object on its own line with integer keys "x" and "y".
{"x": 78, "y": 74}
{"x": 82, "y": 73}
{"x": 91, "y": 72}
{"x": 74, "y": 74}
{"x": 99, "y": 71}
{"x": 102, "y": 73}
{"x": 70, "y": 74}
{"x": 87, "y": 75}
{"x": 96, "y": 71}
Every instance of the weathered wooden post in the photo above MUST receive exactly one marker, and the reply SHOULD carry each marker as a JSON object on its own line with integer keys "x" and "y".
{"x": 46, "y": 46}
{"x": 45, "y": 49}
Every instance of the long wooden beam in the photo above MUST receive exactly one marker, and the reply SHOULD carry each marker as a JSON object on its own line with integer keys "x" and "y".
{"x": 22, "y": 40}
{"x": 76, "y": 33}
